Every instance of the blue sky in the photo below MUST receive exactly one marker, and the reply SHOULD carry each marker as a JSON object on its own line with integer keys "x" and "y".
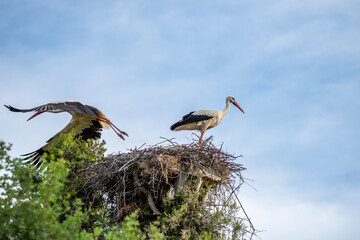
{"x": 293, "y": 66}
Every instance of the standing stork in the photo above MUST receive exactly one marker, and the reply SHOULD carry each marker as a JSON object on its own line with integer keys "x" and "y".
{"x": 86, "y": 121}
{"x": 203, "y": 120}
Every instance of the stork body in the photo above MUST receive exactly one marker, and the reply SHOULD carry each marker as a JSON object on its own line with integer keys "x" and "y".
{"x": 86, "y": 121}
{"x": 203, "y": 120}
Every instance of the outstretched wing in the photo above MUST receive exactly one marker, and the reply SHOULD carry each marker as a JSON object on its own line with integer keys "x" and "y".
{"x": 90, "y": 130}
{"x": 62, "y": 106}
{"x": 11, "y": 108}
{"x": 190, "y": 118}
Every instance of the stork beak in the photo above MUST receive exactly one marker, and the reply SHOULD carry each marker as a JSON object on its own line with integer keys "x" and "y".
{"x": 37, "y": 113}
{"x": 237, "y": 105}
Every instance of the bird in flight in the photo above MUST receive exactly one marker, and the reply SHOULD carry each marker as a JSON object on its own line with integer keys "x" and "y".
{"x": 86, "y": 121}
{"x": 203, "y": 120}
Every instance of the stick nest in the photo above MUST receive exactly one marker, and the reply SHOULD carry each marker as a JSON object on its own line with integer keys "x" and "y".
{"x": 143, "y": 178}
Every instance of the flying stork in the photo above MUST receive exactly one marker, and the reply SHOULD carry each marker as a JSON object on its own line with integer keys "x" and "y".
{"x": 86, "y": 121}
{"x": 203, "y": 120}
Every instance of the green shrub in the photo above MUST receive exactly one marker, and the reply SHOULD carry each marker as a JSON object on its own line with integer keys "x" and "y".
{"x": 34, "y": 206}
{"x": 47, "y": 205}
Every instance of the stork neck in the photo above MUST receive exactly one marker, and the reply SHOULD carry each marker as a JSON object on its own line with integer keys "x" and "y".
{"x": 226, "y": 109}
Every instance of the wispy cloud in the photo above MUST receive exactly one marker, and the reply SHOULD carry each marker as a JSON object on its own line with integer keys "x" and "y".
{"x": 292, "y": 65}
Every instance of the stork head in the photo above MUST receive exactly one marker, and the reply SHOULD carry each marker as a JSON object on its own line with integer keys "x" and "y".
{"x": 232, "y": 100}
{"x": 37, "y": 113}
{"x": 48, "y": 110}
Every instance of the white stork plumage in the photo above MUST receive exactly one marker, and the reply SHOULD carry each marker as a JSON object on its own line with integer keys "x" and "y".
{"x": 86, "y": 121}
{"x": 203, "y": 120}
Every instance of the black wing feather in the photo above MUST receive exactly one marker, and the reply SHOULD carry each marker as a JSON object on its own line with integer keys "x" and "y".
{"x": 34, "y": 157}
{"x": 77, "y": 107}
{"x": 92, "y": 132}
{"x": 190, "y": 118}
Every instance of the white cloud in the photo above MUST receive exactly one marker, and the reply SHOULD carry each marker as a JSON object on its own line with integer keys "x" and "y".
{"x": 301, "y": 220}
{"x": 286, "y": 211}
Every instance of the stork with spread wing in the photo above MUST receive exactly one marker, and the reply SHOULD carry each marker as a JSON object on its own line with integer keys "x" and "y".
{"x": 86, "y": 121}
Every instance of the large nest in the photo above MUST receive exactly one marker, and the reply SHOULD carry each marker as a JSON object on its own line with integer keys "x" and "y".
{"x": 143, "y": 178}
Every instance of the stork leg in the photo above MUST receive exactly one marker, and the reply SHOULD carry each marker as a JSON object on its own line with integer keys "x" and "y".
{"x": 116, "y": 130}
{"x": 201, "y": 137}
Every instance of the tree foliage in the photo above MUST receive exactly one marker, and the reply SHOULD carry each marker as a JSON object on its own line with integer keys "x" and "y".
{"x": 38, "y": 206}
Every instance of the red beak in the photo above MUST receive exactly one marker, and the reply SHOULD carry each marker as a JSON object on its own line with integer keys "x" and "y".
{"x": 37, "y": 113}
{"x": 237, "y": 105}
